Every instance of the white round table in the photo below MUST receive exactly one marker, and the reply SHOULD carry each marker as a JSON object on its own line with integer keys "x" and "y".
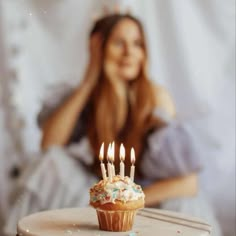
{"x": 83, "y": 222}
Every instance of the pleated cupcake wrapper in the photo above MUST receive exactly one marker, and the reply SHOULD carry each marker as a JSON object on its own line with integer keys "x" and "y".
{"x": 116, "y": 221}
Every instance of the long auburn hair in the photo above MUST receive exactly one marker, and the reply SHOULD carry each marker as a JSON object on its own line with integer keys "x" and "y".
{"x": 109, "y": 118}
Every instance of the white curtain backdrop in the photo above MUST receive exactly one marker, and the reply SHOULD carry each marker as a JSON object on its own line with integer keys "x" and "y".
{"x": 192, "y": 53}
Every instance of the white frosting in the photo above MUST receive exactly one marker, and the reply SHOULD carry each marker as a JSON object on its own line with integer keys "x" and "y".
{"x": 119, "y": 189}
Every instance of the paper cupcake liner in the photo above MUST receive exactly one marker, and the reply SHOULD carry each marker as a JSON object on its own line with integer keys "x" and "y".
{"x": 116, "y": 221}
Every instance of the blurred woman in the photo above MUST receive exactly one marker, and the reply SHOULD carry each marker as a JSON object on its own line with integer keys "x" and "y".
{"x": 115, "y": 101}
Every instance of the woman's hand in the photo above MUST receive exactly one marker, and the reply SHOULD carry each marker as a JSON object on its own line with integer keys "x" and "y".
{"x": 95, "y": 50}
{"x": 95, "y": 60}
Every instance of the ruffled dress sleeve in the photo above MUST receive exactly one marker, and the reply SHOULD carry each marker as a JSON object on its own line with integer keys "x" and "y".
{"x": 55, "y": 96}
{"x": 171, "y": 151}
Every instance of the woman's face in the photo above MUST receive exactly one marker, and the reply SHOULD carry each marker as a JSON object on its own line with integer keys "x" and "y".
{"x": 124, "y": 52}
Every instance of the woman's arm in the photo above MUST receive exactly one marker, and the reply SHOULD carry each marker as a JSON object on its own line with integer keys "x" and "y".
{"x": 183, "y": 186}
{"x": 160, "y": 191}
{"x": 58, "y": 127}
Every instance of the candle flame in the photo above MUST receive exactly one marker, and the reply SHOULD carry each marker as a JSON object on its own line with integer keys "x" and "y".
{"x": 122, "y": 152}
{"x": 112, "y": 157}
{"x": 101, "y": 154}
{"x": 108, "y": 152}
{"x": 132, "y": 154}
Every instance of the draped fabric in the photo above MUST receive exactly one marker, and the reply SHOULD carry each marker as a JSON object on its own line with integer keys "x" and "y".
{"x": 171, "y": 152}
{"x": 192, "y": 53}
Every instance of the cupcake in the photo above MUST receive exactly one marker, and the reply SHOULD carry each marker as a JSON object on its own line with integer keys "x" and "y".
{"x": 116, "y": 203}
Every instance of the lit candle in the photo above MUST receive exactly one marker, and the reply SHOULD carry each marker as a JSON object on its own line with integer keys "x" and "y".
{"x": 113, "y": 158}
{"x": 132, "y": 169}
{"x": 122, "y": 158}
{"x": 101, "y": 156}
{"x": 108, "y": 163}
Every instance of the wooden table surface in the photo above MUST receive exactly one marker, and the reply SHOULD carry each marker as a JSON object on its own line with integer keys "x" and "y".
{"x": 83, "y": 222}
